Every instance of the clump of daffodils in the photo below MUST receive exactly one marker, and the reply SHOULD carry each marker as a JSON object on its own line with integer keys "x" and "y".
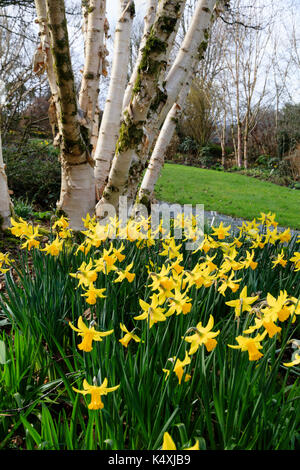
{"x": 222, "y": 259}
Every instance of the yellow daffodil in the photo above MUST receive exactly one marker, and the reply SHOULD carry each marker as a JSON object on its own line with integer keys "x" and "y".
{"x": 61, "y": 223}
{"x": 295, "y": 362}
{"x": 118, "y": 252}
{"x": 296, "y": 260}
{"x": 179, "y": 368}
{"x": 279, "y": 306}
{"x": 267, "y": 322}
{"x": 96, "y": 392}
{"x": 179, "y": 303}
{"x": 20, "y": 228}
{"x": 92, "y": 294}
{"x": 252, "y": 345}
{"x": 125, "y": 274}
{"x": 243, "y": 303}
{"x": 171, "y": 250}
{"x": 54, "y": 248}
{"x": 221, "y": 232}
{"x": 106, "y": 263}
{"x": 229, "y": 283}
{"x": 86, "y": 274}
{"x": 203, "y": 335}
{"x": 249, "y": 263}
{"x": 285, "y": 236}
{"x": 31, "y": 236}
{"x": 152, "y": 312}
{"x": 88, "y": 334}
{"x": 129, "y": 335}
{"x": 279, "y": 260}
{"x": 168, "y": 443}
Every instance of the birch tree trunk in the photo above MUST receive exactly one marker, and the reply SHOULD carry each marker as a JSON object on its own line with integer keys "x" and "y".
{"x": 156, "y": 162}
{"x": 149, "y": 20}
{"x": 77, "y": 196}
{"x": 94, "y": 55}
{"x": 193, "y": 46}
{"x": 5, "y": 202}
{"x": 43, "y": 61}
{"x": 111, "y": 119}
{"x": 146, "y": 94}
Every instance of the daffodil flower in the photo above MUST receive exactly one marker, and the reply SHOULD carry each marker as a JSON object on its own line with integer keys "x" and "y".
{"x": 243, "y": 303}
{"x": 89, "y": 335}
{"x": 96, "y": 392}
{"x": 54, "y": 248}
{"x": 252, "y": 345}
{"x": 279, "y": 260}
{"x": 86, "y": 274}
{"x": 221, "y": 232}
{"x": 203, "y": 335}
{"x": 125, "y": 274}
{"x": 129, "y": 335}
{"x": 168, "y": 443}
{"x": 152, "y": 312}
{"x": 295, "y": 362}
{"x": 296, "y": 259}
{"x": 92, "y": 294}
{"x": 179, "y": 368}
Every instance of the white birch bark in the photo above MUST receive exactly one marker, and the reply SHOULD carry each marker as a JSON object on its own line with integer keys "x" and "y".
{"x": 193, "y": 46}
{"x": 165, "y": 136}
{"x": 5, "y": 202}
{"x": 95, "y": 130}
{"x": 146, "y": 93}
{"x": 47, "y": 60}
{"x": 94, "y": 55}
{"x": 77, "y": 196}
{"x": 148, "y": 22}
{"x": 111, "y": 119}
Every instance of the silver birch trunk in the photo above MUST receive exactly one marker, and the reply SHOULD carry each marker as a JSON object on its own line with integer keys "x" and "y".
{"x": 94, "y": 55}
{"x": 77, "y": 196}
{"x": 146, "y": 94}
{"x": 46, "y": 64}
{"x": 156, "y": 161}
{"x": 5, "y": 202}
{"x": 111, "y": 119}
{"x": 149, "y": 20}
{"x": 193, "y": 47}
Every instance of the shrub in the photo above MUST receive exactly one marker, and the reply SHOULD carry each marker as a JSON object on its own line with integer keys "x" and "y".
{"x": 189, "y": 145}
{"x": 33, "y": 172}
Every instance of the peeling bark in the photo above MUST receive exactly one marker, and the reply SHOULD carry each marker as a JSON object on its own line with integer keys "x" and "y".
{"x": 46, "y": 65}
{"x": 192, "y": 48}
{"x": 149, "y": 20}
{"x": 95, "y": 52}
{"x": 76, "y": 198}
{"x": 156, "y": 161}
{"x": 110, "y": 123}
{"x": 5, "y": 202}
{"x": 146, "y": 93}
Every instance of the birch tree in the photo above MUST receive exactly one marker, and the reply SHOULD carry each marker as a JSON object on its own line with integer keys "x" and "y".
{"x": 5, "y": 202}
{"x": 110, "y": 124}
{"x": 108, "y": 163}
{"x": 146, "y": 93}
{"x": 192, "y": 48}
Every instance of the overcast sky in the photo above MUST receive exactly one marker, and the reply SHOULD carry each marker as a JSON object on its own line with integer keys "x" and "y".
{"x": 113, "y": 8}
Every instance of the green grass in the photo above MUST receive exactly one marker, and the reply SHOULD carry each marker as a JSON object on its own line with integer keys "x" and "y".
{"x": 230, "y": 194}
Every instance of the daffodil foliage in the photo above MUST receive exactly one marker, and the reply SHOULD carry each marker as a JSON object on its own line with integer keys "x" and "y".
{"x": 120, "y": 337}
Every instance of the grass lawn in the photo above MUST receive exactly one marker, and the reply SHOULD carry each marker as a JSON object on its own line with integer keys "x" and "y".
{"x": 228, "y": 193}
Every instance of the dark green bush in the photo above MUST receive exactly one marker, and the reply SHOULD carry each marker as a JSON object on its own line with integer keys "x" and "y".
{"x": 189, "y": 145}
{"x": 33, "y": 172}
